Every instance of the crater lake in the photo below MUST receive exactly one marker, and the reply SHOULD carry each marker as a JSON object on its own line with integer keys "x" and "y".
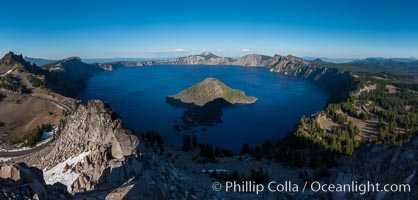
{"x": 138, "y": 95}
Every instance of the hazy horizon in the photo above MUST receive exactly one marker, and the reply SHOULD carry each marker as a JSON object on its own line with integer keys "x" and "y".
{"x": 235, "y": 57}
{"x": 160, "y": 29}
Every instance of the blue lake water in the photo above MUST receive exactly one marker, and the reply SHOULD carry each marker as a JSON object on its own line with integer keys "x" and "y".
{"x": 138, "y": 94}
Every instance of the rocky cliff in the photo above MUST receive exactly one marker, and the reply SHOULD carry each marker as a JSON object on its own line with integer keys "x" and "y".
{"x": 69, "y": 76}
{"x": 205, "y": 58}
{"x": 254, "y": 60}
{"x": 66, "y": 77}
{"x": 18, "y": 181}
{"x": 384, "y": 163}
{"x": 11, "y": 61}
{"x": 337, "y": 83}
{"x": 94, "y": 156}
{"x": 107, "y": 149}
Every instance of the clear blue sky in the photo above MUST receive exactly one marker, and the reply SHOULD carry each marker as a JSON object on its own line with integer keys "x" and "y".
{"x": 105, "y": 29}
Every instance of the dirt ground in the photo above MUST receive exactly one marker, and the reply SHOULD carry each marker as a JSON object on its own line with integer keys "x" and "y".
{"x": 326, "y": 123}
{"x": 21, "y": 114}
{"x": 391, "y": 89}
{"x": 368, "y": 128}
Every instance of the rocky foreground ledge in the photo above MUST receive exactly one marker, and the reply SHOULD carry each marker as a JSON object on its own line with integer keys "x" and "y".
{"x": 92, "y": 150}
{"x": 93, "y": 156}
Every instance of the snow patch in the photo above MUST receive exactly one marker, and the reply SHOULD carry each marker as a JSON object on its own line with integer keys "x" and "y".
{"x": 46, "y": 137}
{"x": 8, "y": 72}
{"x": 56, "y": 174}
{"x": 5, "y": 159}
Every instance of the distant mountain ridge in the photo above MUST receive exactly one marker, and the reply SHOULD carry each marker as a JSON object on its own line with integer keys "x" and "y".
{"x": 205, "y": 58}
{"x": 255, "y": 60}
{"x": 356, "y": 60}
{"x": 208, "y": 58}
{"x": 39, "y": 61}
{"x": 42, "y": 61}
{"x": 380, "y": 59}
{"x": 329, "y": 59}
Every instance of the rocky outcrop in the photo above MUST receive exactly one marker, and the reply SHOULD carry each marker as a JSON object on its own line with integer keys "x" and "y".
{"x": 111, "y": 149}
{"x": 18, "y": 181}
{"x": 158, "y": 180}
{"x": 11, "y": 61}
{"x": 205, "y": 58}
{"x": 66, "y": 77}
{"x": 254, "y": 60}
{"x": 100, "y": 157}
{"x": 69, "y": 76}
{"x": 337, "y": 83}
{"x": 383, "y": 164}
{"x": 291, "y": 65}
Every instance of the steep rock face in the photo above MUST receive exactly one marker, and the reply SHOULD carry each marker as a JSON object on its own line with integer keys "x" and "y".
{"x": 11, "y": 61}
{"x": 254, "y": 60}
{"x": 157, "y": 180}
{"x": 10, "y": 172}
{"x": 337, "y": 83}
{"x": 94, "y": 146}
{"x": 18, "y": 181}
{"x": 96, "y": 129}
{"x": 383, "y": 164}
{"x": 66, "y": 77}
{"x": 69, "y": 76}
{"x": 205, "y": 58}
{"x": 290, "y": 65}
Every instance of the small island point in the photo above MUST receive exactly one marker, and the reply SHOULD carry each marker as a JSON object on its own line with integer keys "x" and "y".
{"x": 210, "y": 90}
